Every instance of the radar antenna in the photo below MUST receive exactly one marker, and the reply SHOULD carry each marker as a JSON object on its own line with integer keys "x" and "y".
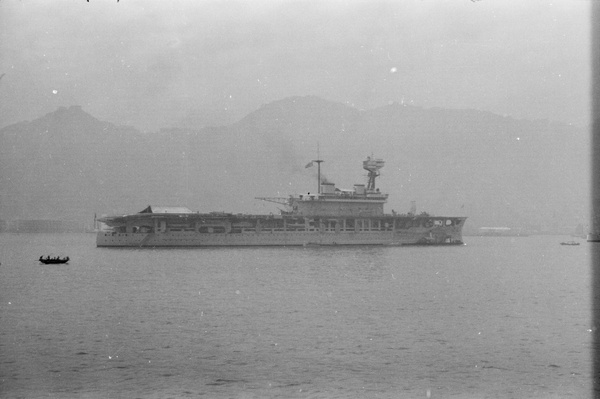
{"x": 372, "y": 165}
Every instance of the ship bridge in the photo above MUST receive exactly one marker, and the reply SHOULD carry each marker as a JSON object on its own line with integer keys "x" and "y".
{"x": 330, "y": 201}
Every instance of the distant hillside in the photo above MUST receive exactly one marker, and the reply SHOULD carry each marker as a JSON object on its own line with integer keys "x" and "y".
{"x": 497, "y": 170}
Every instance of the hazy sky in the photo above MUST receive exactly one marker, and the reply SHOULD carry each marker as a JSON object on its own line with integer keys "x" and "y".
{"x": 154, "y": 64}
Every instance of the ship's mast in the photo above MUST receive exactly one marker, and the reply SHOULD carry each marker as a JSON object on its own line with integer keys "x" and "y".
{"x": 310, "y": 164}
{"x": 318, "y": 161}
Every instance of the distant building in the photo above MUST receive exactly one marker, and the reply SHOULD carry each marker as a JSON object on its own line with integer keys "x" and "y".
{"x": 44, "y": 226}
{"x": 501, "y": 231}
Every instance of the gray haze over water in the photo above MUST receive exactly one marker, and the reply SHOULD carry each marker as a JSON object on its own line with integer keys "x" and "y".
{"x": 499, "y": 318}
{"x": 257, "y": 69}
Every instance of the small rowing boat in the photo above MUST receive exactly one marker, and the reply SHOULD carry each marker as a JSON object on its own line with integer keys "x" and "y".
{"x": 52, "y": 261}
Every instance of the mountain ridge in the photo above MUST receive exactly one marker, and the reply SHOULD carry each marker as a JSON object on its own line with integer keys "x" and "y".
{"x": 495, "y": 169}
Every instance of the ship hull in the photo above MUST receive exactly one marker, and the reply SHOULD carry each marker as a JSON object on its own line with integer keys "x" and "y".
{"x": 329, "y": 217}
{"x": 435, "y": 236}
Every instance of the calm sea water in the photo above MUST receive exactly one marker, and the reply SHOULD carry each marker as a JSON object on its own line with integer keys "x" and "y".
{"x": 497, "y": 318}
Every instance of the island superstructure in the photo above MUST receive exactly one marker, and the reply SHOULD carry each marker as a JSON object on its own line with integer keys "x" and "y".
{"x": 331, "y": 216}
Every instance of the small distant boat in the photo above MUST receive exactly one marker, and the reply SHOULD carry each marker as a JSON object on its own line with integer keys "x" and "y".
{"x": 53, "y": 261}
{"x": 593, "y": 237}
{"x": 569, "y": 243}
